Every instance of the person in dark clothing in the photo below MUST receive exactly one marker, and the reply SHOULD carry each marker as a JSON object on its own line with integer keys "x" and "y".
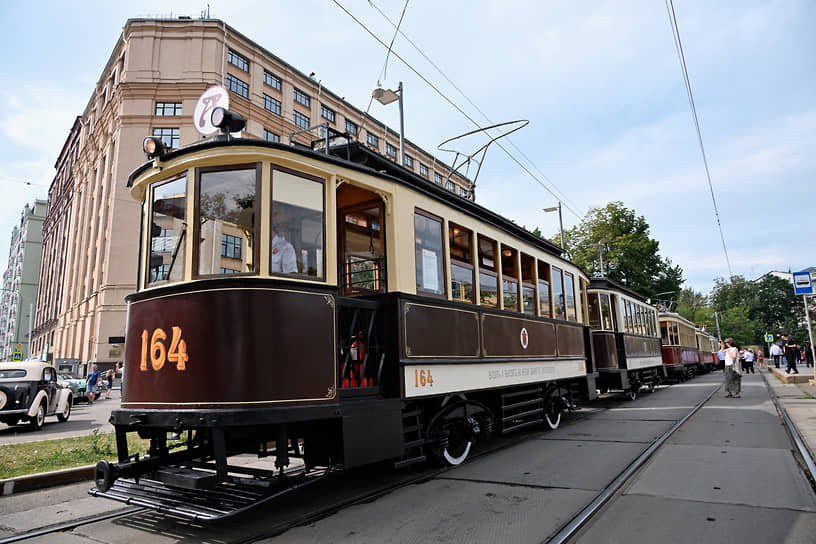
{"x": 807, "y": 354}
{"x": 792, "y": 355}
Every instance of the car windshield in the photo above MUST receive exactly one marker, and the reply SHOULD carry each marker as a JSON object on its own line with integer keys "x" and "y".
{"x": 12, "y": 373}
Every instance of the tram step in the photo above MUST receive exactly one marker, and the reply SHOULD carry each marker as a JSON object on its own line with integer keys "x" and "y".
{"x": 411, "y": 461}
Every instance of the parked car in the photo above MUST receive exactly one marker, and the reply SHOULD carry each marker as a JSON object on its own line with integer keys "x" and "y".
{"x": 29, "y": 391}
{"x": 78, "y": 386}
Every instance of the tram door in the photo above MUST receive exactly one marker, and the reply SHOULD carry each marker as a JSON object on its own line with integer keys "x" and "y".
{"x": 362, "y": 242}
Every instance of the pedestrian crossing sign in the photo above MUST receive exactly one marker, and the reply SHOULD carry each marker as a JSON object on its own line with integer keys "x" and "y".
{"x": 769, "y": 338}
{"x": 17, "y": 356}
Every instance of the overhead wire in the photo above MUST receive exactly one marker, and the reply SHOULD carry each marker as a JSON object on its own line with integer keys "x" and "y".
{"x": 678, "y": 45}
{"x": 563, "y": 197}
{"x": 452, "y": 103}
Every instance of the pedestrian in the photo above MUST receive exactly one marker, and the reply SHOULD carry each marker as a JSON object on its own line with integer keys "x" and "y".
{"x": 807, "y": 354}
{"x": 749, "y": 361}
{"x": 792, "y": 355}
{"x": 761, "y": 359}
{"x": 733, "y": 376}
{"x": 721, "y": 356}
{"x": 90, "y": 385}
{"x": 109, "y": 378}
{"x": 776, "y": 353}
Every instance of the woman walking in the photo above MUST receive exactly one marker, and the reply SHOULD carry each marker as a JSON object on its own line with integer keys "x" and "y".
{"x": 733, "y": 377}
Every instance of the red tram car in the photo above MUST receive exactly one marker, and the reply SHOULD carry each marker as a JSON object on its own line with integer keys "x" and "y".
{"x": 681, "y": 352}
{"x": 627, "y": 350}
{"x": 330, "y": 307}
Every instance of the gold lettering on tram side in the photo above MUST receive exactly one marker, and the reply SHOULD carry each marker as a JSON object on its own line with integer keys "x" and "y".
{"x": 159, "y": 354}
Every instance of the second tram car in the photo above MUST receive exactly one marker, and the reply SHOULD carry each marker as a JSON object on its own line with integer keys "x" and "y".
{"x": 625, "y": 338}
{"x": 707, "y": 347}
{"x": 330, "y": 306}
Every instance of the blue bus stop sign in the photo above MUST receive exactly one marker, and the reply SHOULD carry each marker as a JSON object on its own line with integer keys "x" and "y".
{"x": 802, "y": 283}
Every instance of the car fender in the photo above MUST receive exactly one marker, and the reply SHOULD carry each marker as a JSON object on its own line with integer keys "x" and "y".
{"x": 32, "y": 409}
{"x": 64, "y": 398}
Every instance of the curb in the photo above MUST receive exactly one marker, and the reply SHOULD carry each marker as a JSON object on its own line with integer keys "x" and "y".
{"x": 30, "y": 482}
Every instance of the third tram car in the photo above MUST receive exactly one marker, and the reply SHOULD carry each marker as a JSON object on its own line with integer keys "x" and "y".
{"x": 625, "y": 338}
{"x": 680, "y": 349}
{"x": 331, "y": 306}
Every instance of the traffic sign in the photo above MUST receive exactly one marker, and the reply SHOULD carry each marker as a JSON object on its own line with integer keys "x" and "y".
{"x": 769, "y": 338}
{"x": 802, "y": 283}
{"x": 17, "y": 356}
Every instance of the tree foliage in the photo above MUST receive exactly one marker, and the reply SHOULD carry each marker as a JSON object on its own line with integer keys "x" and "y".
{"x": 630, "y": 256}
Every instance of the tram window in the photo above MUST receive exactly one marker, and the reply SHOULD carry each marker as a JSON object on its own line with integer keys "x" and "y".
{"x": 488, "y": 279}
{"x": 168, "y": 206}
{"x": 528, "y": 299}
{"x": 558, "y": 293}
{"x": 461, "y": 255}
{"x": 226, "y": 206}
{"x": 569, "y": 288}
{"x": 544, "y": 306}
{"x": 594, "y": 311}
{"x": 430, "y": 276}
{"x": 297, "y": 225}
{"x": 664, "y": 332}
{"x": 510, "y": 282}
{"x": 606, "y": 312}
{"x": 627, "y": 317}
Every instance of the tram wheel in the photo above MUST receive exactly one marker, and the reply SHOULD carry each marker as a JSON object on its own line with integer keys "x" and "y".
{"x": 553, "y": 409}
{"x": 632, "y": 394}
{"x": 651, "y": 386}
{"x": 456, "y": 448}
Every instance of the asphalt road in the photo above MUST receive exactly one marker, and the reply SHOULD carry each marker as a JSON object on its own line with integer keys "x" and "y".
{"x": 83, "y": 420}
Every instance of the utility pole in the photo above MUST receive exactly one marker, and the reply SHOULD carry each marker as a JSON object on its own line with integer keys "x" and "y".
{"x": 717, "y": 320}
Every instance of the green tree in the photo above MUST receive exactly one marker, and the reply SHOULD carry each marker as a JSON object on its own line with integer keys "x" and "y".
{"x": 629, "y": 255}
{"x": 736, "y": 323}
{"x": 694, "y": 307}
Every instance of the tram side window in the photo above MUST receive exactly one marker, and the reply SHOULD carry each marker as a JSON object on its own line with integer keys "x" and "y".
{"x": 168, "y": 228}
{"x": 674, "y": 334}
{"x": 510, "y": 283}
{"x": 430, "y": 276}
{"x": 461, "y": 255}
{"x": 594, "y": 311}
{"x": 528, "y": 298}
{"x": 488, "y": 278}
{"x": 606, "y": 312}
{"x": 569, "y": 289}
{"x": 558, "y": 293}
{"x": 664, "y": 332}
{"x": 627, "y": 316}
{"x": 297, "y": 239}
{"x": 226, "y": 206}
{"x": 544, "y": 306}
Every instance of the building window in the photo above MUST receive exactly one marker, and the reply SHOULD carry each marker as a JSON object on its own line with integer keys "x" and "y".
{"x": 303, "y": 98}
{"x": 423, "y": 170}
{"x": 229, "y": 271}
{"x": 300, "y": 120}
{"x": 272, "y": 80}
{"x": 230, "y": 246}
{"x": 450, "y": 186}
{"x": 390, "y": 150}
{"x": 430, "y": 276}
{"x": 237, "y": 60}
{"x": 373, "y": 140}
{"x": 327, "y": 113}
{"x": 351, "y": 128}
{"x": 168, "y": 109}
{"x": 463, "y": 192}
{"x": 408, "y": 161}
{"x": 169, "y": 136}
{"x": 271, "y": 104}
{"x": 237, "y": 86}
{"x": 271, "y": 137}
{"x": 438, "y": 178}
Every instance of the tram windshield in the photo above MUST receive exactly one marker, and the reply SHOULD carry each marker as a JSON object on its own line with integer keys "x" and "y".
{"x": 168, "y": 205}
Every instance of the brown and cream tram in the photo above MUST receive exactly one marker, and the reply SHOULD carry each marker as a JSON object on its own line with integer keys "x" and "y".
{"x": 330, "y": 306}
{"x": 680, "y": 349}
{"x": 707, "y": 347}
{"x": 625, "y": 338}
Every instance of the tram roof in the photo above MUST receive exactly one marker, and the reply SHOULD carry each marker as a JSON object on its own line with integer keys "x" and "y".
{"x": 611, "y": 285}
{"x": 357, "y": 156}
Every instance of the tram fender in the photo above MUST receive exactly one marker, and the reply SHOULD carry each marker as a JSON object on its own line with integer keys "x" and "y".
{"x": 372, "y": 431}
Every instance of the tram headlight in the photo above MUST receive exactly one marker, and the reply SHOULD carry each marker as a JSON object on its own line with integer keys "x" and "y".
{"x": 227, "y": 121}
{"x": 153, "y": 147}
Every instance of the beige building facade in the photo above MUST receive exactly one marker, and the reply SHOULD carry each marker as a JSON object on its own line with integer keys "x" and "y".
{"x": 149, "y": 86}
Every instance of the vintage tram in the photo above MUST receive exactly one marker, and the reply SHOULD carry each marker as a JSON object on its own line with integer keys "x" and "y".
{"x": 625, "y": 338}
{"x": 707, "y": 347}
{"x": 681, "y": 353}
{"x": 327, "y": 306}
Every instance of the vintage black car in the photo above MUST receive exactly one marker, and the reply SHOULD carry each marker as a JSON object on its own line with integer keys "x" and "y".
{"x": 29, "y": 392}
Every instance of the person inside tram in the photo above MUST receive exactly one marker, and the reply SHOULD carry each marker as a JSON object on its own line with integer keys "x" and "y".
{"x": 283, "y": 255}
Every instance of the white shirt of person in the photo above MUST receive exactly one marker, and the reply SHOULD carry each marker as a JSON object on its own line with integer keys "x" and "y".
{"x": 731, "y": 355}
{"x": 776, "y": 350}
{"x": 749, "y": 356}
{"x": 283, "y": 256}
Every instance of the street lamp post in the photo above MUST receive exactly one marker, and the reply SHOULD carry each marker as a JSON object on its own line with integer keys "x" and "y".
{"x": 385, "y": 97}
{"x": 560, "y": 222}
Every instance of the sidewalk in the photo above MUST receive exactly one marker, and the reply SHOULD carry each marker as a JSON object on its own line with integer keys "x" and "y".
{"x": 799, "y": 400}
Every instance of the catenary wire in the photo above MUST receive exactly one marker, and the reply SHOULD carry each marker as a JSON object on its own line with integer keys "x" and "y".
{"x": 678, "y": 45}
{"x": 452, "y": 103}
{"x": 391, "y": 45}
{"x": 564, "y": 197}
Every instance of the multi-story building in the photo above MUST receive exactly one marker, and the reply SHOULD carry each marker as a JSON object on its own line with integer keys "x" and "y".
{"x": 149, "y": 86}
{"x": 20, "y": 283}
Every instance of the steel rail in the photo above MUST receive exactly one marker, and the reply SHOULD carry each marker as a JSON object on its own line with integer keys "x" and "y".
{"x": 569, "y": 529}
{"x": 68, "y": 525}
{"x": 794, "y": 432}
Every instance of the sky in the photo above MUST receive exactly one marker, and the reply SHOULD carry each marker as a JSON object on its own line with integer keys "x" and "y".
{"x": 599, "y": 82}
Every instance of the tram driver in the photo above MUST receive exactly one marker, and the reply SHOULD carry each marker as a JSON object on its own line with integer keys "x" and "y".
{"x": 283, "y": 255}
